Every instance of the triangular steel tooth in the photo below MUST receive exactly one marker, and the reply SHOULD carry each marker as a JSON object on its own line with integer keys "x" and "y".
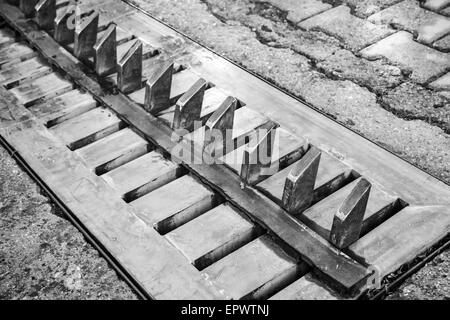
{"x": 27, "y": 7}
{"x": 157, "y": 88}
{"x": 298, "y": 189}
{"x": 105, "y": 52}
{"x": 129, "y": 69}
{"x": 64, "y": 25}
{"x": 188, "y": 109}
{"x": 86, "y": 36}
{"x": 348, "y": 220}
{"x": 257, "y": 155}
{"x": 218, "y": 129}
{"x": 46, "y": 14}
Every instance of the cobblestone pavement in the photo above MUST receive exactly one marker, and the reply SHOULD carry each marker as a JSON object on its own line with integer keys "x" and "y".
{"x": 380, "y": 67}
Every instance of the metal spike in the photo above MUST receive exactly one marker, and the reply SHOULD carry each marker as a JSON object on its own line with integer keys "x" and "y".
{"x": 46, "y": 14}
{"x": 105, "y": 53}
{"x": 129, "y": 69}
{"x": 189, "y": 107}
{"x": 65, "y": 26}
{"x": 27, "y": 7}
{"x": 348, "y": 220}
{"x": 299, "y": 186}
{"x": 157, "y": 89}
{"x": 258, "y": 154}
{"x": 86, "y": 36}
{"x": 217, "y": 126}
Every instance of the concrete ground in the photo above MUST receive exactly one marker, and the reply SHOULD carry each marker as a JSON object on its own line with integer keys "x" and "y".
{"x": 380, "y": 67}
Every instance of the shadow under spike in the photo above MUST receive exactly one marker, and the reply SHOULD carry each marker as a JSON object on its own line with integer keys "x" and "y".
{"x": 46, "y": 14}
{"x": 299, "y": 186}
{"x": 105, "y": 53}
{"x": 86, "y": 36}
{"x": 27, "y": 7}
{"x": 129, "y": 69}
{"x": 348, "y": 220}
{"x": 189, "y": 107}
{"x": 157, "y": 88}
{"x": 64, "y": 28}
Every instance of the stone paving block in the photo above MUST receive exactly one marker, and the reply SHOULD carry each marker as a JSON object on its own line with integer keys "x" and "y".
{"x": 400, "y": 48}
{"x": 415, "y": 102}
{"x": 314, "y": 45}
{"x": 408, "y": 15}
{"x": 443, "y": 44}
{"x": 298, "y": 10}
{"x": 272, "y": 29}
{"x": 354, "y": 32}
{"x": 376, "y": 75}
{"x": 365, "y": 8}
{"x": 436, "y": 4}
{"x": 443, "y": 83}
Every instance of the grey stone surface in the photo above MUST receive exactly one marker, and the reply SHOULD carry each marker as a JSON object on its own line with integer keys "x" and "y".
{"x": 414, "y": 102}
{"x": 365, "y": 8}
{"x": 399, "y": 48}
{"x": 442, "y": 83}
{"x": 299, "y": 10}
{"x": 436, "y": 4}
{"x": 376, "y": 75}
{"x": 430, "y": 283}
{"x": 355, "y": 33}
{"x": 272, "y": 29}
{"x": 445, "y": 12}
{"x": 443, "y": 44}
{"x": 408, "y": 15}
